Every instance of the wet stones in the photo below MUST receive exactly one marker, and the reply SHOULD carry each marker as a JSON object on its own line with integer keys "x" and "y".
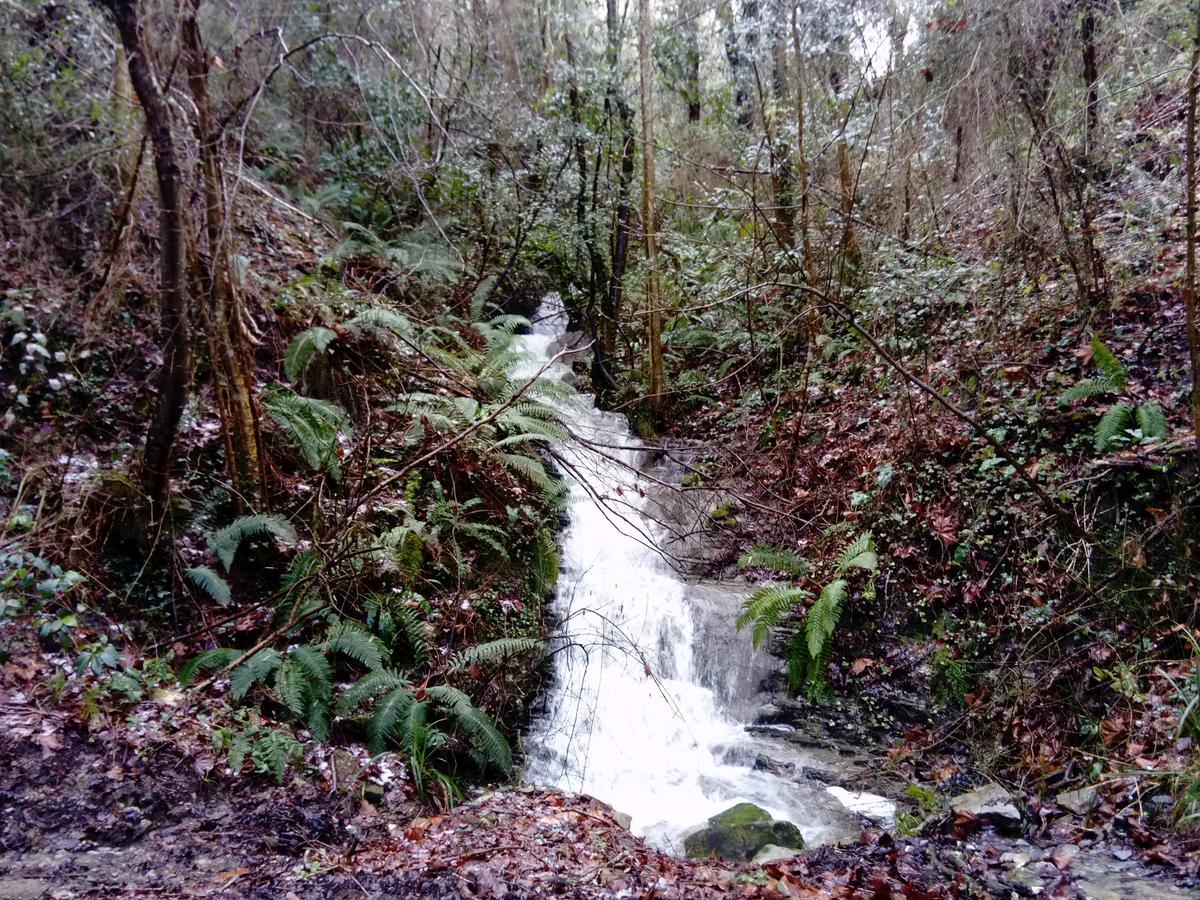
{"x": 740, "y": 832}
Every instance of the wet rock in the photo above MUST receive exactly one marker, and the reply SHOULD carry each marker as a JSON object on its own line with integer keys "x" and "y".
{"x": 1064, "y": 855}
{"x": 23, "y": 888}
{"x": 1079, "y": 802}
{"x": 773, "y": 853}
{"x": 991, "y": 803}
{"x": 764, "y": 763}
{"x": 740, "y": 832}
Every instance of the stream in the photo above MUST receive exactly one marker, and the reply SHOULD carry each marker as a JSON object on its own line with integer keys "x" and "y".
{"x": 653, "y": 686}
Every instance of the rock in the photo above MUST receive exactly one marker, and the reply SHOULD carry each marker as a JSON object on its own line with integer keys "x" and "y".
{"x": 1064, "y": 855}
{"x": 623, "y": 819}
{"x": 346, "y": 769}
{"x": 772, "y": 853}
{"x": 990, "y": 802}
{"x": 1122, "y": 853}
{"x": 739, "y": 832}
{"x": 23, "y": 888}
{"x": 1079, "y": 802}
{"x": 764, "y": 763}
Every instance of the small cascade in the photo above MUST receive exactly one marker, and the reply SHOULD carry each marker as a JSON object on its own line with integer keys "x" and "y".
{"x": 636, "y": 715}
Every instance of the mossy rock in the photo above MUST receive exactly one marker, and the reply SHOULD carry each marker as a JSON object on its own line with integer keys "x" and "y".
{"x": 740, "y": 832}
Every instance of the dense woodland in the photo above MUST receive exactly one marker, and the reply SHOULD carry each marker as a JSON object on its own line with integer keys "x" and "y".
{"x": 913, "y": 281}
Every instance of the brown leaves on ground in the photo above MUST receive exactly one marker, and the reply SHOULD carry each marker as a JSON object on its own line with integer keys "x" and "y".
{"x": 543, "y": 843}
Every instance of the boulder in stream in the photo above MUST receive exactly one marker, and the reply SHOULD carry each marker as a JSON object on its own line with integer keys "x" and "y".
{"x": 740, "y": 832}
{"x": 991, "y": 803}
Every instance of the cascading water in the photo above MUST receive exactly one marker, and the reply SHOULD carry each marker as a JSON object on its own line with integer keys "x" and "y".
{"x": 632, "y": 717}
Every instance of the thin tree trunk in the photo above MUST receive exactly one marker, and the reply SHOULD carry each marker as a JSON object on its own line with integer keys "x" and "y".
{"x": 1191, "y": 288}
{"x": 222, "y": 311}
{"x": 174, "y": 374}
{"x": 801, "y": 161}
{"x": 649, "y": 226}
{"x": 785, "y": 188}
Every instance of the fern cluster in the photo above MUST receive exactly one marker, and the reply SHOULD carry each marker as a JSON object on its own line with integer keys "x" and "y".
{"x": 1124, "y": 422}
{"x": 770, "y": 606}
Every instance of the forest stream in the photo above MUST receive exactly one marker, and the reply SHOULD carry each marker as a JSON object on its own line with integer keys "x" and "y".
{"x": 651, "y": 679}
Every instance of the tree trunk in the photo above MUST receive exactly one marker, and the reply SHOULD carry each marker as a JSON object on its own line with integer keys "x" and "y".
{"x": 1191, "y": 288}
{"x": 785, "y": 188}
{"x": 737, "y": 65}
{"x": 222, "y": 312}
{"x": 649, "y": 225}
{"x": 801, "y": 161}
{"x": 176, "y": 338}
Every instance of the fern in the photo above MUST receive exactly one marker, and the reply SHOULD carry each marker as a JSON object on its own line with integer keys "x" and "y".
{"x": 1110, "y": 367}
{"x": 317, "y": 671}
{"x": 256, "y": 670}
{"x": 1151, "y": 422}
{"x": 859, "y": 554}
{"x": 311, "y": 424}
{"x": 366, "y": 689}
{"x": 290, "y": 686}
{"x": 389, "y": 713}
{"x": 823, "y": 616}
{"x": 355, "y": 642}
{"x": 412, "y": 629}
{"x": 217, "y": 658}
{"x": 379, "y": 320}
{"x": 477, "y": 724}
{"x": 225, "y": 542}
{"x": 1112, "y": 425}
{"x": 544, "y": 566}
{"x": 494, "y": 651}
{"x": 303, "y": 347}
{"x": 211, "y": 583}
{"x": 1092, "y": 387}
{"x": 767, "y": 607}
{"x": 780, "y": 559}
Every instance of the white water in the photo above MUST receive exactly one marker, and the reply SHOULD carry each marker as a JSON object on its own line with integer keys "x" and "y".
{"x": 629, "y": 718}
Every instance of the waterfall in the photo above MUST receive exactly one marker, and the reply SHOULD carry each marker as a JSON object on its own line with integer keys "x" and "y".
{"x": 632, "y": 717}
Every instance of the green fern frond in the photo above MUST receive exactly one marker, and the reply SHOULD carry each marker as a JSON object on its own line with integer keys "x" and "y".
{"x": 211, "y": 583}
{"x": 767, "y": 607}
{"x": 224, "y": 543}
{"x": 779, "y": 559}
{"x": 476, "y": 723}
{"x": 859, "y": 554}
{"x": 209, "y": 660}
{"x": 256, "y": 670}
{"x": 1093, "y": 387}
{"x": 1152, "y": 422}
{"x": 1112, "y": 425}
{"x": 366, "y": 689}
{"x": 355, "y": 642}
{"x": 389, "y": 713}
{"x": 823, "y": 616}
{"x": 494, "y": 651}
{"x": 412, "y": 629}
{"x": 291, "y": 685}
{"x": 303, "y": 347}
{"x": 317, "y": 671}
{"x": 544, "y": 566}
{"x": 380, "y": 320}
{"x": 1108, "y": 364}
{"x": 311, "y": 424}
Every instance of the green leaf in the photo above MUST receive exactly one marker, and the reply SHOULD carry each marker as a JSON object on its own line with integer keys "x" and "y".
{"x": 1113, "y": 425}
{"x": 1108, "y": 364}
{"x": 211, "y": 583}
{"x": 253, "y": 671}
{"x": 823, "y": 616}
{"x": 1093, "y": 387}
{"x": 486, "y": 738}
{"x": 354, "y": 641}
{"x": 311, "y": 424}
{"x": 494, "y": 651}
{"x": 1151, "y": 422}
{"x": 225, "y": 542}
{"x": 302, "y": 349}
{"x": 209, "y": 660}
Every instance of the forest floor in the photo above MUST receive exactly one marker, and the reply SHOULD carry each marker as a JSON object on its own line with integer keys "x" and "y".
{"x": 137, "y": 806}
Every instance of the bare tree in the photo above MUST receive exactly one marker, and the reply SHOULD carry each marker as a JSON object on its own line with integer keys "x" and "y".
{"x": 649, "y": 224}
